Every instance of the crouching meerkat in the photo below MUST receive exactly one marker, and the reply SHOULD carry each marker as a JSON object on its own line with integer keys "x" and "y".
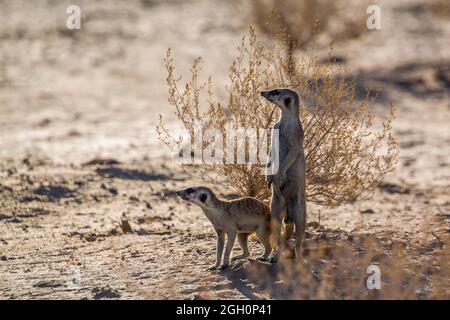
{"x": 235, "y": 218}
{"x": 289, "y": 181}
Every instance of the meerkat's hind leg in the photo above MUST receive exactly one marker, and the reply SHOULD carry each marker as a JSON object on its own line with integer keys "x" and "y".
{"x": 288, "y": 231}
{"x": 242, "y": 239}
{"x": 300, "y": 226}
{"x": 276, "y": 208}
{"x": 263, "y": 235}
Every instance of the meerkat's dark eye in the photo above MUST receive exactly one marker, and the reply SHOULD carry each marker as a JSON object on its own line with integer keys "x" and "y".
{"x": 189, "y": 190}
{"x": 287, "y": 102}
{"x": 203, "y": 197}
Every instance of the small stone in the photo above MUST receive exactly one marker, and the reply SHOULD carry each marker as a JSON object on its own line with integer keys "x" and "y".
{"x": 90, "y": 237}
{"x": 141, "y": 220}
{"x": 134, "y": 199}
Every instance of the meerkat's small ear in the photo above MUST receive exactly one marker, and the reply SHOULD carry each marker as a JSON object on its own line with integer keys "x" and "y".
{"x": 203, "y": 197}
{"x": 287, "y": 102}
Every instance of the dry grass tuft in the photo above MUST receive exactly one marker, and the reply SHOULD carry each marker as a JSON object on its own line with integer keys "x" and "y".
{"x": 301, "y": 20}
{"x": 304, "y": 20}
{"x": 337, "y": 268}
{"x": 345, "y": 158}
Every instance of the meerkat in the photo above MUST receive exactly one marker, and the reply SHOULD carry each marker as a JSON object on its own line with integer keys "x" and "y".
{"x": 235, "y": 218}
{"x": 289, "y": 181}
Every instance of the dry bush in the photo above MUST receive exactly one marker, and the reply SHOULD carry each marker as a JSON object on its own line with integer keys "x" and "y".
{"x": 345, "y": 158}
{"x": 303, "y": 20}
{"x": 440, "y": 8}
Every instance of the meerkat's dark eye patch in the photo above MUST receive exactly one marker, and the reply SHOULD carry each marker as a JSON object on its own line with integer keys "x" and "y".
{"x": 287, "y": 102}
{"x": 203, "y": 197}
{"x": 189, "y": 190}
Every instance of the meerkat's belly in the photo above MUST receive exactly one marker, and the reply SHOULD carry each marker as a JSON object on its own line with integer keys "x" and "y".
{"x": 246, "y": 228}
{"x": 251, "y": 223}
{"x": 239, "y": 226}
{"x": 236, "y": 222}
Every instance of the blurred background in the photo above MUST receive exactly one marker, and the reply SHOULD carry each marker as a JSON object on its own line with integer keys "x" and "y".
{"x": 74, "y": 87}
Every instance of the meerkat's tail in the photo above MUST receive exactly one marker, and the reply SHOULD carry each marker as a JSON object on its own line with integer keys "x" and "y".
{"x": 287, "y": 233}
{"x": 287, "y": 229}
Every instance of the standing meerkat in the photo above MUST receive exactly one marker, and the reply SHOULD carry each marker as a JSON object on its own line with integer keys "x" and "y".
{"x": 289, "y": 182}
{"x": 240, "y": 217}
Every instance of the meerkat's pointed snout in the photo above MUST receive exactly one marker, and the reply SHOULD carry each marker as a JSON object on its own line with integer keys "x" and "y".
{"x": 183, "y": 193}
{"x": 267, "y": 94}
{"x": 271, "y": 95}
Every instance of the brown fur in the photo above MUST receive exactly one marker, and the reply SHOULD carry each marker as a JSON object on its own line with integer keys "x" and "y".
{"x": 235, "y": 218}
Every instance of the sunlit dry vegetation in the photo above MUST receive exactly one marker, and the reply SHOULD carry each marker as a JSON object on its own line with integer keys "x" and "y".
{"x": 302, "y": 22}
{"x": 440, "y": 8}
{"x": 346, "y": 158}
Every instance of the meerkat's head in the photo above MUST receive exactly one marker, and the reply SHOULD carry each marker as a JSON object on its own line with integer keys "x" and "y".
{"x": 285, "y": 99}
{"x": 201, "y": 196}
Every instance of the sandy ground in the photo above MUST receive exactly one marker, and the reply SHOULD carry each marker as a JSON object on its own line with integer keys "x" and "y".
{"x": 79, "y": 156}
